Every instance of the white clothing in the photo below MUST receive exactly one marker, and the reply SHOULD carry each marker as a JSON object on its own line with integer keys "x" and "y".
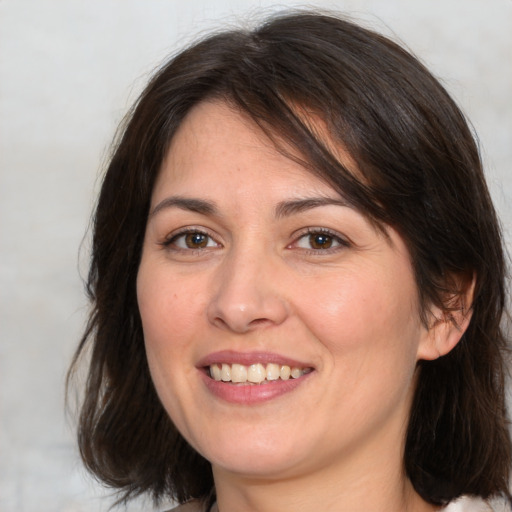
{"x": 466, "y": 504}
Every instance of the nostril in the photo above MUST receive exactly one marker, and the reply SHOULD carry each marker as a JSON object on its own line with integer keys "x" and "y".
{"x": 220, "y": 322}
{"x": 258, "y": 321}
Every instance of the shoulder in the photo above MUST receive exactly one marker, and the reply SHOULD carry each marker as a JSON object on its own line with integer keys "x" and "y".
{"x": 191, "y": 506}
{"x": 472, "y": 504}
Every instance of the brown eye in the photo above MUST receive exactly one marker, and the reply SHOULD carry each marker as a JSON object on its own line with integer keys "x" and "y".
{"x": 196, "y": 240}
{"x": 188, "y": 240}
{"x": 320, "y": 241}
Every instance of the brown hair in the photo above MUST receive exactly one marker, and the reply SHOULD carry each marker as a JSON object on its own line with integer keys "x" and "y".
{"x": 421, "y": 173}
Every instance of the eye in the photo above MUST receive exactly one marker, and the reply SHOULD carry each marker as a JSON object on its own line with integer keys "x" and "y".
{"x": 191, "y": 239}
{"x": 320, "y": 240}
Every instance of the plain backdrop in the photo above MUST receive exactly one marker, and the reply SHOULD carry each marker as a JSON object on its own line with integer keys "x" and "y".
{"x": 69, "y": 69}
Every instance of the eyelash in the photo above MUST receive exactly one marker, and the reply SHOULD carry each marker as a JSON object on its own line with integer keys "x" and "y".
{"x": 335, "y": 237}
{"x": 172, "y": 239}
{"x": 309, "y": 232}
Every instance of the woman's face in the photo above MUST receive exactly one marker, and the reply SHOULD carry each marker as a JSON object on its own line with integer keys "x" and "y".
{"x": 254, "y": 269}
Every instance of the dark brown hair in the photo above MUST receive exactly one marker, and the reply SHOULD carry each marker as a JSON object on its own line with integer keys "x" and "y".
{"x": 420, "y": 172}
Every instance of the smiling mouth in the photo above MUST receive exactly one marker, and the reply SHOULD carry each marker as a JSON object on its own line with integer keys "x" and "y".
{"x": 255, "y": 373}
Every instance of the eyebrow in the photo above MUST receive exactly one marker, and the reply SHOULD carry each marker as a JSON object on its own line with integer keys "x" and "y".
{"x": 283, "y": 209}
{"x": 185, "y": 203}
{"x": 287, "y": 208}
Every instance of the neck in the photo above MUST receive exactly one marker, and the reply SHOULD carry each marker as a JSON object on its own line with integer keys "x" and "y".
{"x": 376, "y": 482}
{"x": 312, "y": 495}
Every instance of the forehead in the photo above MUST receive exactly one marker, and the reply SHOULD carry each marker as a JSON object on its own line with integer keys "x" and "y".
{"x": 217, "y": 144}
{"x": 213, "y": 130}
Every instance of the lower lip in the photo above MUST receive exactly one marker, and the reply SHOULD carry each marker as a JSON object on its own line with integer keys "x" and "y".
{"x": 248, "y": 394}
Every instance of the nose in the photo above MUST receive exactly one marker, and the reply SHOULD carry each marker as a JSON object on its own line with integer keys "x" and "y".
{"x": 247, "y": 295}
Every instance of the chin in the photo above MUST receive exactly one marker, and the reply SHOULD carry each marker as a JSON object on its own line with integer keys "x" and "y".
{"x": 257, "y": 458}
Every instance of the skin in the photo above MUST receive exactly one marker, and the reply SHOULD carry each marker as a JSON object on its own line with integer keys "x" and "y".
{"x": 349, "y": 311}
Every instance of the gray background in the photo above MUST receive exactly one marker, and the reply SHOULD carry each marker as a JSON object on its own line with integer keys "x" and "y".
{"x": 69, "y": 69}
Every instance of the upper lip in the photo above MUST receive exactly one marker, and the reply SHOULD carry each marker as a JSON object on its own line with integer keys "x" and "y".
{"x": 248, "y": 358}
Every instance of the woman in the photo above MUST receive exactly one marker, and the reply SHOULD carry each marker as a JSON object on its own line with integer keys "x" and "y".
{"x": 297, "y": 284}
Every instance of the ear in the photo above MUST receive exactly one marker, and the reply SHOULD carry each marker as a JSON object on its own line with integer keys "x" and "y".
{"x": 448, "y": 324}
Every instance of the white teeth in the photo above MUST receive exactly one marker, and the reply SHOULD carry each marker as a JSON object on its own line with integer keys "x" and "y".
{"x": 272, "y": 371}
{"x": 225, "y": 372}
{"x": 215, "y": 372}
{"x": 296, "y": 373}
{"x": 238, "y": 373}
{"x": 285, "y": 372}
{"x": 255, "y": 373}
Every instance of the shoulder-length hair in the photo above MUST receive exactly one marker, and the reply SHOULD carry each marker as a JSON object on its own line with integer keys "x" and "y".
{"x": 419, "y": 172}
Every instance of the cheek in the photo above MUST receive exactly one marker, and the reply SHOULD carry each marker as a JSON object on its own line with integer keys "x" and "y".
{"x": 169, "y": 310}
{"x": 169, "y": 316}
{"x": 372, "y": 317}
{"x": 172, "y": 312}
